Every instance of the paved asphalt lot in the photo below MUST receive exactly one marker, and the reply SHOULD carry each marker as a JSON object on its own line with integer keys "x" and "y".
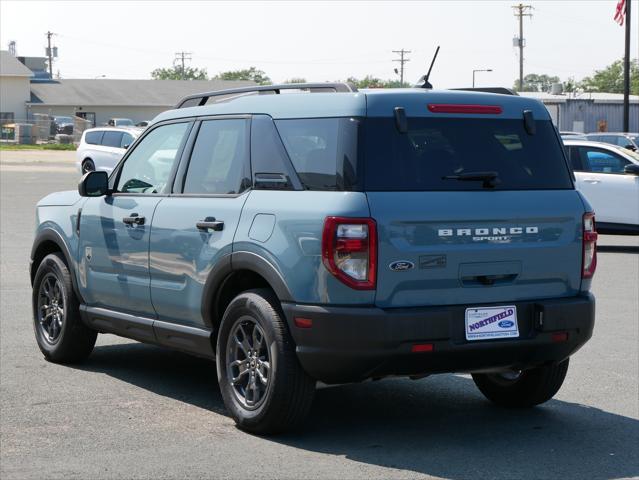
{"x": 137, "y": 411}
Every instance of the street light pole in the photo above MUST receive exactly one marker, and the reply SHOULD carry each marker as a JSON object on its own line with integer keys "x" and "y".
{"x": 480, "y": 70}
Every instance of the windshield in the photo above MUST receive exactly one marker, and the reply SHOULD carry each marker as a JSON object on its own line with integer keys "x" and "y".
{"x": 63, "y": 120}
{"x": 120, "y": 122}
{"x": 463, "y": 154}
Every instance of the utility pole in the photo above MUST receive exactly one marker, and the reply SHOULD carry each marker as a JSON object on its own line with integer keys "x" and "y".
{"x": 181, "y": 57}
{"x": 50, "y": 53}
{"x": 402, "y": 60}
{"x": 521, "y": 12}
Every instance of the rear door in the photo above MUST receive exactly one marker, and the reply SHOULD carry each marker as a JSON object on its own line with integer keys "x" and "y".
{"x": 193, "y": 229}
{"x": 613, "y": 194}
{"x": 446, "y": 238}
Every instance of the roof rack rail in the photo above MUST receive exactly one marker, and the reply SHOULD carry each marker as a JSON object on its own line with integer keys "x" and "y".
{"x": 501, "y": 90}
{"x": 199, "y": 99}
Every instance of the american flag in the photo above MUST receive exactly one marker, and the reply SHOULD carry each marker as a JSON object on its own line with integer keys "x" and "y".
{"x": 620, "y": 11}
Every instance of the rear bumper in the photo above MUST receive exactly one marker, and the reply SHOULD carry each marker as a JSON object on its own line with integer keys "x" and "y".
{"x": 347, "y": 344}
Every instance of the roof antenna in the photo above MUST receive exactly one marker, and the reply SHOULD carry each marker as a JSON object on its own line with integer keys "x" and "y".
{"x": 424, "y": 79}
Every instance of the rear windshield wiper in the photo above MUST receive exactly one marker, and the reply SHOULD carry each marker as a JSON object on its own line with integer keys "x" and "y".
{"x": 489, "y": 179}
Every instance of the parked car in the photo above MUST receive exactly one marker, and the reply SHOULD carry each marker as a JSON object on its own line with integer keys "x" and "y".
{"x": 608, "y": 175}
{"x": 62, "y": 125}
{"x": 329, "y": 237}
{"x": 625, "y": 140}
{"x": 102, "y": 148}
{"x": 120, "y": 122}
{"x": 143, "y": 123}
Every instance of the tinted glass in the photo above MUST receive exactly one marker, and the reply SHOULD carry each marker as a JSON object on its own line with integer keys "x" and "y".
{"x": 124, "y": 122}
{"x": 220, "y": 160}
{"x": 322, "y": 150}
{"x": 148, "y": 167}
{"x": 94, "y": 138}
{"x": 435, "y": 148}
{"x": 112, "y": 139}
{"x": 575, "y": 158}
{"x": 601, "y": 161}
{"x": 127, "y": 139}
{"x": 268, "y": 156}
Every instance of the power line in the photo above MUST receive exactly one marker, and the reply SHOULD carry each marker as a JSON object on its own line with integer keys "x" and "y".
{"x": 521, "y": 11}
{"x": 402, "y": 60}
{"x": 181, "y": 57}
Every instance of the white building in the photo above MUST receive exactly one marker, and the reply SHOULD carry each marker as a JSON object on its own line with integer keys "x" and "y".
{"x": 14, "y": 89}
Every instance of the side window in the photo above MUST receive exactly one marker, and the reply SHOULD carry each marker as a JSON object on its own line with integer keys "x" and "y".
{"x": 94, "y": 138}
{"x": 602, "y": 161}
{"x": 148, "y": 167}
{"x": 272, "y": 169}
{"x": 220, "y": 159}
{"x": 623, "y": 141}
{"x": 112, "y": 139}
{"x": 127, "y": 139}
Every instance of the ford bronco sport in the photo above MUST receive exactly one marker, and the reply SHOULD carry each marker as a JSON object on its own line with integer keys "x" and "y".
{"x": 329, "y": 235}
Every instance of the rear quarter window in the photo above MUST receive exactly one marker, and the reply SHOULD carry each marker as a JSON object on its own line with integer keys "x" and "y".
{"x": 112, "y": 139}
{"x": 93, "y": 138}
{"x": 436, "y": 148}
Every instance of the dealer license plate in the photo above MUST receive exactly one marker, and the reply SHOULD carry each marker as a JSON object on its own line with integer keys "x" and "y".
{"x": 487, "y": 323}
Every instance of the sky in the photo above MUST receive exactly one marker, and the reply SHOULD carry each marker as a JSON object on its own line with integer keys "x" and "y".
{"x": 321, "y": 41}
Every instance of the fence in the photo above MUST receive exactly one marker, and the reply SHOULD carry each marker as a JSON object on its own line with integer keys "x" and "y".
{"x": 41, "y": 128}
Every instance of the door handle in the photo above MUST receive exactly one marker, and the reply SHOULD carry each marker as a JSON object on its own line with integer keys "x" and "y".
{"x": 134, "y": 219}
{"x": 591, "y": 180}
{"x": 209, "y": 223}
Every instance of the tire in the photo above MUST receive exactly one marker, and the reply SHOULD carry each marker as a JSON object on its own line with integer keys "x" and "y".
{"x": 284, "y": 400}
{"x": 88, "y": 166}
{"x": 59, "y": 331}
{"x": 532, "y": 387}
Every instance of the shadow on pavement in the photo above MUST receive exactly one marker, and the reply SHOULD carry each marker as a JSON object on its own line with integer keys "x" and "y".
{"x": 439, "y": 426}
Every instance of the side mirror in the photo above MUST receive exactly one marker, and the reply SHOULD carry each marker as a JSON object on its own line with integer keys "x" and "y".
{"x": 94, "y": 184}
{"x": 631, "y": 147}
{"x": 631, "y": 169}
{"x": 126, "y": 146}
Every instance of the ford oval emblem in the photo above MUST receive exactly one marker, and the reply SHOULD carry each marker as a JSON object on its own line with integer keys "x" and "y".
{"x": 401, "y": 265}
{"x": 506, "y": 324}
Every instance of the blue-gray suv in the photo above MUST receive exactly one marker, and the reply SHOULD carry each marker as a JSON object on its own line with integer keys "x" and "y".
{"x": 306, "y": 233}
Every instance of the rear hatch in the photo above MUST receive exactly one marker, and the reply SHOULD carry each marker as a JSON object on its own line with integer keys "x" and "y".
{"x": 471, "y": 209}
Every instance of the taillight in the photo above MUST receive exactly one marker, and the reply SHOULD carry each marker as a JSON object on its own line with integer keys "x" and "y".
{"x": 349, "y": 250}
{"x": 589, "y": 246}
{"x": 463, "y": 108}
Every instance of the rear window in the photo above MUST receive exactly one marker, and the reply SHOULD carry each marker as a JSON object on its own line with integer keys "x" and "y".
{"x": 435, "y": 148}
{"x": 93, "y": 138}
{"x": 322, "y": 150}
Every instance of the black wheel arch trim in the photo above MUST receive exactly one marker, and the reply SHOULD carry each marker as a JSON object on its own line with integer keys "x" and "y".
{"x": 230, "y": 263}
{"x": 49, "y": 234}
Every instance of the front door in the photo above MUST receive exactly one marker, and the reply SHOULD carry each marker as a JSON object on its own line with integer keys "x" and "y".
{"x": 115, "y": 229}
{"x": 194, "y": 228}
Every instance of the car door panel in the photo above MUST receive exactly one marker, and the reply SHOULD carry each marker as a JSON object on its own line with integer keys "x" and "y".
{"x": 194, "y": 229}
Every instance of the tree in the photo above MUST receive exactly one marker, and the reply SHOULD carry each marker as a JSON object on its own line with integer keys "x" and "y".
{"x": 252, "y": 74}
{"x": 610, "y": 79}
{"x": 295, "y": 80}
{"x": 534, "y": 82}
{"x": 175, "y": 73}
{"x": 373, "y": 82}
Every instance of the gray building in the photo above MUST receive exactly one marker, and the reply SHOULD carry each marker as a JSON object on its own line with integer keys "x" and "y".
{"x": 589, "y": 112}
{"x": 98, "y": 100}
{"x": 14, "y": 88}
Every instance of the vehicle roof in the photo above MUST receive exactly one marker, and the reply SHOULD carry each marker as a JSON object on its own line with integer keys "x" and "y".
{"x": 605, "y": 146}
{"x": 367, "y": 102}
{"x": 125, "y": 128}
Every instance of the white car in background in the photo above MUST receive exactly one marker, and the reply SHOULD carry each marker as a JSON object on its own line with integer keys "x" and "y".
{"x": 102, "y": 148}
{"x": 608, "y": 176}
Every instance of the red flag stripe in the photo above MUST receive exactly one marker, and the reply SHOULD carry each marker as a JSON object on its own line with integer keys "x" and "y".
{"x": 620, "y": 11}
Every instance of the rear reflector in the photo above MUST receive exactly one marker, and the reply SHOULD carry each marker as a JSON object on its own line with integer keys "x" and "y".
{"x": 303, "y": 322}
{"x": 559, "y": 337}
{"x": 422, "y": 347}
{"x": 589, "y": 246}
{"x": 460, "y": 108}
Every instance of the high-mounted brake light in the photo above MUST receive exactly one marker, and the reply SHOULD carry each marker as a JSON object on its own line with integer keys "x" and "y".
{"x": 349, "y": 250}
{"x": 589, "y": 245}
{"x": 461, "y": 108}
